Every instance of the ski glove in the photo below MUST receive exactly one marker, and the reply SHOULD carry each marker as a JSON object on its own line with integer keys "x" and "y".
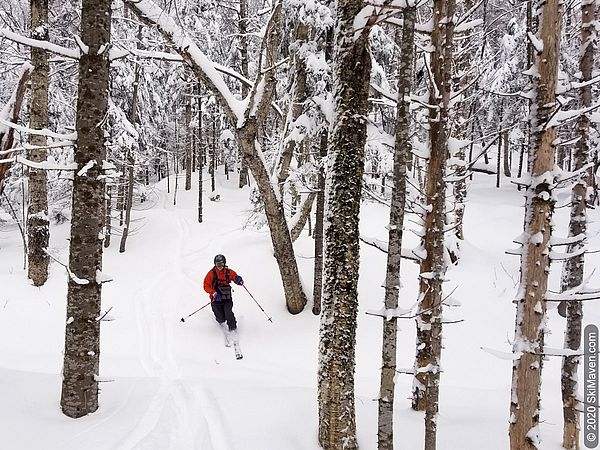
{"x": 238, "y": 280}
{"x": 216, "y": 296}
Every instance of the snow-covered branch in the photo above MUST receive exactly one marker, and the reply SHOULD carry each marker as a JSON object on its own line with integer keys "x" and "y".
{"x": 565, "y": 297}
{"x": 71, "y": 53}
{"x": 152, "y": 14}
{"x": 46, "y": 165}
{"x": 43, "y": 132}
{"x": 44, "y": 45}
{"x": 564, "y": 117}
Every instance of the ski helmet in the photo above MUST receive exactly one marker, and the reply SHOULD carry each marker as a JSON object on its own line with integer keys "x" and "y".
{"x": 221, "y": 259}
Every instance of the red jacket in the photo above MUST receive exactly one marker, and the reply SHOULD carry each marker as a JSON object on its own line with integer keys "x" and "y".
{"x": 209, "y": 285}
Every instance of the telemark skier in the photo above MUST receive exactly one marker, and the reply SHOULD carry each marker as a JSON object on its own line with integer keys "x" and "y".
{"x": 216, "y": 284}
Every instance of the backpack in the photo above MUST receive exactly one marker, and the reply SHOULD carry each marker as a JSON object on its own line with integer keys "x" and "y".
{"x": 224, "y": 290}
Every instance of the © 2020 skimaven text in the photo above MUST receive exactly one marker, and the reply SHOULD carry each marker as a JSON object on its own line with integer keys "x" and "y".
{"x": 590, "y": 389}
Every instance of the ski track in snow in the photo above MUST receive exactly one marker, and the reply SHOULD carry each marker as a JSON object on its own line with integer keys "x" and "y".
{"x": 178, "y": 416}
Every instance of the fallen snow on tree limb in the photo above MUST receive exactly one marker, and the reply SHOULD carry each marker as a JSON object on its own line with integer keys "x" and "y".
{"x": 510, "y": 356}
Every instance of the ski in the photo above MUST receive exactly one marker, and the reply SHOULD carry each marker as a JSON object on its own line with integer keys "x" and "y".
{"x": 238, "y": 350}
{"x": 235, "y": 338}
{"x": 226, "y": 335}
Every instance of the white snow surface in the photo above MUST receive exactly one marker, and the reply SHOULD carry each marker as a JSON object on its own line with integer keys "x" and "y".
{"x": 173, "y": 385}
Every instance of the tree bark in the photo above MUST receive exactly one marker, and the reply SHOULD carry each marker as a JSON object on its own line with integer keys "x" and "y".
{"x": 318, "y": 230}
{"x": 352, "y": 68}
{"x": 244, "y": 179}
{"x": 213, "y": 155}
{"x": 499, "y": 145}
{"x": 108, "y": 216}
{"x": 320, "y": 213}
{"x": 280, "y": 235}
{"x": 188, "y": 143}
{"x": 531, "y": 304}
{"x": 467, "y": 110}
{"x": 128, "y": 201}
{"x": 433, "y": 267}
{"x": 573, "y": 269}
{"x": 38, "y": 232}
{"x": 303, "y": 215}
{"x": 82, "y": 337}
{"x": 402, "y": 152}
{"x": 200, "y": 154}
{"x": 507, "y": 153}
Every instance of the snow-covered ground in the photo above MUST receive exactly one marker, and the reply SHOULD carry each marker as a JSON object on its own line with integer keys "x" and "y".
{"x": 174, "y": 385}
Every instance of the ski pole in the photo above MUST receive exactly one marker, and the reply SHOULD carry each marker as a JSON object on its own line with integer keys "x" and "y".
{"x": 270, "y": 319}
{"x": 189, "y": 315}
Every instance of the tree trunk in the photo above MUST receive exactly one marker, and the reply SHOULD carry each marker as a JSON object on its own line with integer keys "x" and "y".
{"x": 499, "y": 146}
{"x": 318, "y": 230}
{"x": 296, "y": 105}
{"x": 320, "y": 213}
{"x": 213, "y": 155}
{"x": 38, "y": 232}
{"x": 244, "y": 179}
{"x": 302, "y": 216}
{"x": 108, "y": 216}
{"x": 535, "y": 263}
{"x": 82, "y": 336}
{"x": 352, "y": 68}
{"x": 463, "y": 130}
{"x": 280, "y": 235}
{"x": 402, "y": 152}
{"x": 188, "y": 143}
{"x": 128, "y": 201}
{"x": 433, "y": 267}
{"x": 200, "y": 154}
{"x": 176, "y": 175}
{"x": 506, "y": 152}
{"x": 168, "y": 177}
{"x": 121, "y": 193}
{"x": 573, "y": 269}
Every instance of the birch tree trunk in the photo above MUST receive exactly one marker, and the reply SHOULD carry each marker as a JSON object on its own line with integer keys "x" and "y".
{"x": 573, "y": 269}
{"x": 82, "y": 337}
{"x": 352, "y": 68}
{"x": 38, "y": 232}
{"x": 535, "y": 263}
{"x": 402, "y": 152}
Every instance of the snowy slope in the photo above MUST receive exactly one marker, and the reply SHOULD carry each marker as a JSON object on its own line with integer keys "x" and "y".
{"x": 174, "y": 385}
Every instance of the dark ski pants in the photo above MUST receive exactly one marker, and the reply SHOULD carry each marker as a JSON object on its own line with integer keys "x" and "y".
{"x": 224, "y": 312}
